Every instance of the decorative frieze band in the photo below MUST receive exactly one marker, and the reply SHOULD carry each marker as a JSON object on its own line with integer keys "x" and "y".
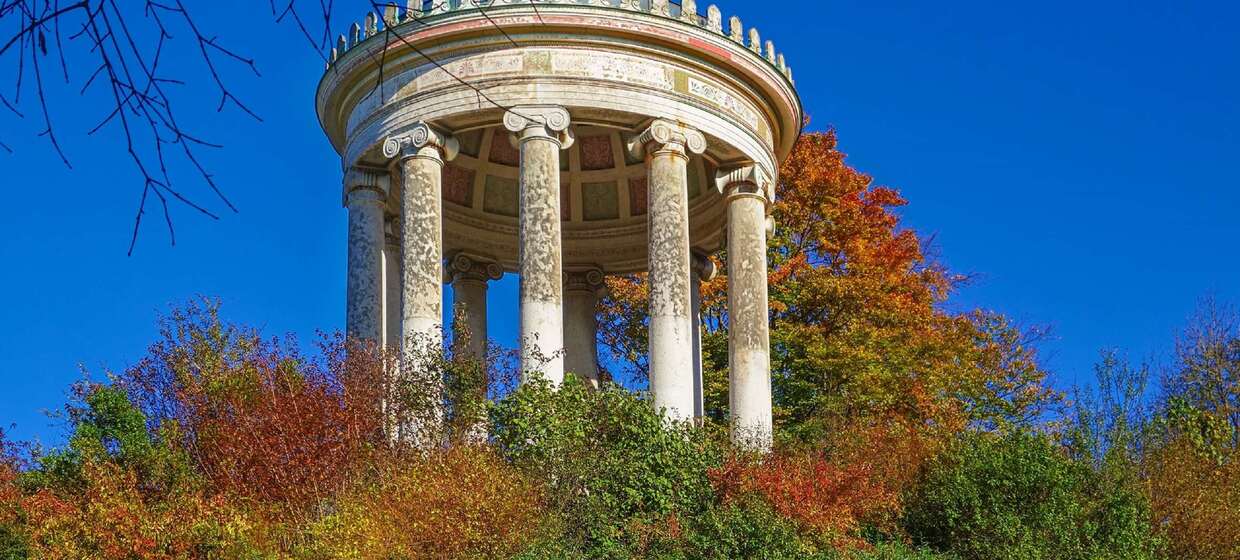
{"x": 414, "y": 12}
{"x": 422, "y": 135}
{"x": 668, "y": 135}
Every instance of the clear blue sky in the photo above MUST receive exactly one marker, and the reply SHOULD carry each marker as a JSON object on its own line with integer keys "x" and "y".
{"x": 1079, "y": 157}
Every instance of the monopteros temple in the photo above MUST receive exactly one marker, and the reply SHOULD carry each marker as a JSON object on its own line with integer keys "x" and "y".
{"x": 563, "y": 141}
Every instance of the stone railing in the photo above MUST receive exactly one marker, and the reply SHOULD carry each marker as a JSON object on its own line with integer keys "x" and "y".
{"x": 685, "y": 11}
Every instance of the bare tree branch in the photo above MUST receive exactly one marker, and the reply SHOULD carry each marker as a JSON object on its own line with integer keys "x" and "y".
{"x": 127, "y": 65}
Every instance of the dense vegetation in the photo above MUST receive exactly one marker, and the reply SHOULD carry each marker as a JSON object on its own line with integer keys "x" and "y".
{"x": 903, "y": 432}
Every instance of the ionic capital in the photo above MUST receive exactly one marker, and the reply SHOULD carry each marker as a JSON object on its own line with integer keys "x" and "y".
{"x": 745, "y": 181}
{"x": 370, "y": 179}
{"x": 703, "y": 266}
{"x": 586, "y": 281}
{"x": 421, "y": 141}
{"x": 667, "y": 136}
{"x": 467, "y": 267}
{"x": 540, "y": 121}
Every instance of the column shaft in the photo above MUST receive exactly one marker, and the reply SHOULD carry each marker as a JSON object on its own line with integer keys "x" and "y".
{"x": 581, "y": 292}
{"x": 748, "y": 327}
{"x": 469, "y": 323}
{"x": 671, "y": 330}
{"x": 542, "y": 133}
{"x": 470, "y": 275}
{"x": 364, "y": 285}
{"x": 703, "y": 271}
{"x": 469, "y": 302}
{"x": 542, "y": 299}
{"x": 695, "y": 317}
{"x": 392, "y": 290}
{"x": 420, "y": 157}
{"x": 422, "y": 251}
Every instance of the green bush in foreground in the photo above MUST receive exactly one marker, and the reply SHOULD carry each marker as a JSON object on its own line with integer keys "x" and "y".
{"x": 1018, "y": 496}
{"x": 613, "y": 469}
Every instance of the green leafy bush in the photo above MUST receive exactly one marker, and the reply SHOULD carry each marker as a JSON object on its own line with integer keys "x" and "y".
{"x": 613, "y": 466}
{"x": 1017, "y": 496}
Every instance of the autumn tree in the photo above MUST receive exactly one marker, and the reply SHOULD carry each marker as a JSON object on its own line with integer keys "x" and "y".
{"x": 258, "y": 419}
{"x": 859, "y": 336}
{"x": 120, "y": 491}
{"x": 12, "y": 517}
{"x": 1193, "y": 457}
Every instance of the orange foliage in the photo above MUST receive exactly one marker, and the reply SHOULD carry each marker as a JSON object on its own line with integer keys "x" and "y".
{"x": 10, "y": 494}
{"x": 462, "y": 502}
{"x": 286, "y": 439}
{"x": 821, "y": 496}
{"x": 113, "y": 519}
{"x": 857, "y": 326}
{"x": 832, "y": 494}
{"x": 1196, "y": 500}
{"x": 259, "y": 420}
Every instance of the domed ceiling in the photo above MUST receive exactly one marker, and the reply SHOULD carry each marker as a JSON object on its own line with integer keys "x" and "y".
{"x": 600, "y": 181}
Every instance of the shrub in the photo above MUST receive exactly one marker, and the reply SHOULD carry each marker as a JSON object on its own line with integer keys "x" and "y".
{"x": 463, "y": 502}
{"x": 258, "y": 420}
{"x": 612, "y": 464}
{"x": 824, "y": 498}
{"x": 742, "y": 530}
{"x": 894, "y": 551}
{"x": 12, "y": 517}
{"x": 1017, "y": 496}
{"x": 120, "y": 492}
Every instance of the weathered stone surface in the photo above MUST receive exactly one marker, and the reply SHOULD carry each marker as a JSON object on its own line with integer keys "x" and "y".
{"x": 581, "y": 292}
{"x": 542, "y": 132}
{"x": 392, "y": 289}
{"x": 423, "y": 244}
{"x": 714, "y": 19}
{"x": 748, "y": 326}
{"x": 470, "y": 275}
{"x": 671, "y": 332}
{"x": 420, "y": 154}
{"x": 364, "y": 286}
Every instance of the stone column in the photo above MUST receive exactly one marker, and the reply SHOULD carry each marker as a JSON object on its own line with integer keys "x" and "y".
{"x": 469, "y": 275}
{"x": 666, "y": 146}
{"x": 419, "y": 157}
{"x": 581, "y": 292}
{"x": 391, "y": 285}
{"x": 703, "y": 271}
{"x": 365, "y": 195}
{"x": 541, "y": 132}
{"x": 747, "y": 193}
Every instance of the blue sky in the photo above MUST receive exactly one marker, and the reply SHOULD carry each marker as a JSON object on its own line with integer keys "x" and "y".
{"x": 1079, "y": 158}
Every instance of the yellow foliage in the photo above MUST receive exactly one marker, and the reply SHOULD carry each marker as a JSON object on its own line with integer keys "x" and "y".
{"x": 1196, "y": 501}
{"x": 464, "y": 502}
